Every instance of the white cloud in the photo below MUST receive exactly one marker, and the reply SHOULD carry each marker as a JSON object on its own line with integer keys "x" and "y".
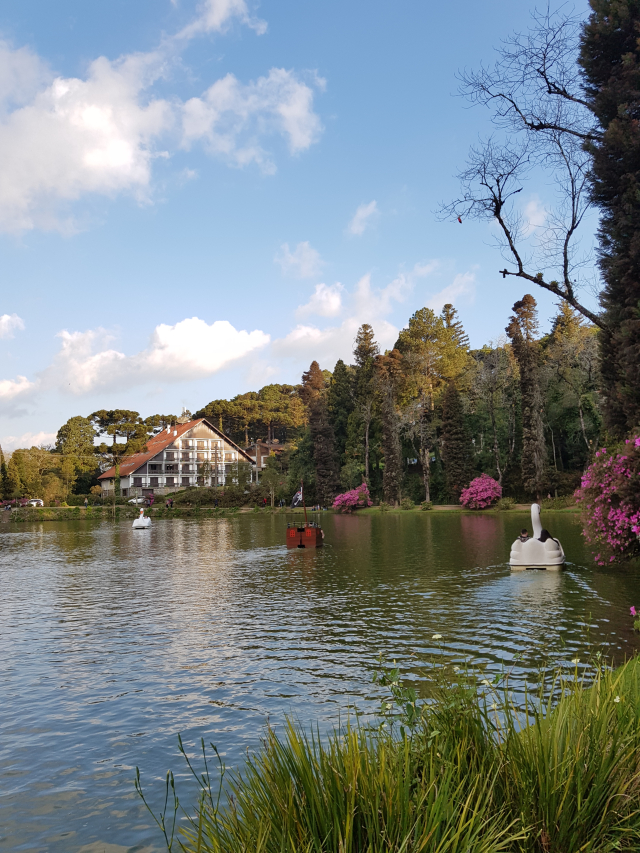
{"x": 362, "y": 218}
{"x": 303, "y": 262}
{"x": 231, "y": 117}
{"x": 463, "y": 285}
{"x": 9, "y": 323}
{"x": 216, "y": 15}
{"x": 9, "y": 443}
{"x": 10, "y": 389}
{"x": 534, "y": 214}
{"x": 62, "y": 139}
{"x": 187, "y": 350}
{"x": 326, "y": 301}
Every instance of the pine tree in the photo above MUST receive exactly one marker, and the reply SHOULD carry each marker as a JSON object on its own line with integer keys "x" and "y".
{"x": 340, "y": 403}
{"x": 456, "y": 443}
{"x": 324, "y": 451}
{"x": 313, "y": 383}
{"x": 4, "y": 477}
{"x": 389, "y": 380}
{"x": 365, "y": 352}
{"x": 522, "y": 330}
{"x": 610, "y": 58}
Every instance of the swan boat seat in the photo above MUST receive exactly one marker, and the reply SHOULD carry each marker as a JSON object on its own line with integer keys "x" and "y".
{"x": 535, "y": 554}
{"x": 141, "y": 522}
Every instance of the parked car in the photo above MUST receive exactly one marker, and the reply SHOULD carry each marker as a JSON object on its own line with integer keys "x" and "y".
{"x": 35, "y": 502}
{"x": 136, "y": 500}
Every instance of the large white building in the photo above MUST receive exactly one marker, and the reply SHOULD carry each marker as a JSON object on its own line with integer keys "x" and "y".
{"x": 180, "y": 456}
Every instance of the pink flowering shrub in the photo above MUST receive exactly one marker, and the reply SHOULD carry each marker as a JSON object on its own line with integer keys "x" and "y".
{"x": 354, "y": 499}
{"x": 609, "y": 497}
{"x": 481, "y": 492}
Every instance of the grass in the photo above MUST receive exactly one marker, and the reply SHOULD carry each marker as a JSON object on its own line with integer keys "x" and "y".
{"x": 467, "y": 772}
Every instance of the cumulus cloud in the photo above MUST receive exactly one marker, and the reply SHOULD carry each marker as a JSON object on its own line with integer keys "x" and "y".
{"x": 326, "y": 301}
{"x": 187, "y": 350}
{"x": 62, "y": 139}
{"x": 303, "y": 262}
{"x": 10, "y": 443}
{"x": 534, "y": 215}
{"x": 10, "y": 389}
{"x": 9, "y": 323}
{"x": 231, "y": 117}
{"x": 362, "y": 218}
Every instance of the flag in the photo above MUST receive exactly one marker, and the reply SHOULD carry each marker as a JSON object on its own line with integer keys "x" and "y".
{"x": 297, "y": 498}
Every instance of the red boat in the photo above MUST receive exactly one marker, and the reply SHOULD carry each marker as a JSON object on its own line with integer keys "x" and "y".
{"x": 305, "y": 534}
{"x": 309, "y": 534}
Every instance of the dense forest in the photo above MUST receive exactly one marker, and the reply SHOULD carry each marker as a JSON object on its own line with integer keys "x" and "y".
{"x": 417, "y": 422}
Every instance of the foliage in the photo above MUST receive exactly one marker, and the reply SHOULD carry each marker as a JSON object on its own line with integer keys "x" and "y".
{"x": 610, "y": 60}
{"x": 354, "y": 499}
{"x": 426, "y": 506}
{"x": 635, "y": 612}
{"x": 609, "y": 496}
{"x": 407, "y": 503}
{"x": 466, "y": 771}
{"x": 272, "y": 477}
{"x": 481, "y": 492}
{"x": 456, "y": 442}
{"x": 505, "y": 504}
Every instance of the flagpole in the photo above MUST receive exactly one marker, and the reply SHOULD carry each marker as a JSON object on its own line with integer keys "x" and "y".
{"x": 304, "y": 506}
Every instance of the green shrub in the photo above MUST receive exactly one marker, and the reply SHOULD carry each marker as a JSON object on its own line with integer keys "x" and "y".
{"x": 384, "y": 506}
{"x": 407, "y": 503}
{"x": 505, "y": 504}
{"x": 426, "y": 505}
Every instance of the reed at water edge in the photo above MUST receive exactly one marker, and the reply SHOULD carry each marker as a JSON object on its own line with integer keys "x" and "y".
{"x": 467, "y": 772}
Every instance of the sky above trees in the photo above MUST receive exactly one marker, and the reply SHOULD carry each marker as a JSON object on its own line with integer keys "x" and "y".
{"x": 202, "y": 198}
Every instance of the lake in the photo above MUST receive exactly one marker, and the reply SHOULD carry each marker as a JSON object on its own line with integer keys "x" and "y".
{"x": 113, "y": 641}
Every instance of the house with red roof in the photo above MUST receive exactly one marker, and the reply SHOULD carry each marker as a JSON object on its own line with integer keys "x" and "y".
{"x": 183, "y": 455}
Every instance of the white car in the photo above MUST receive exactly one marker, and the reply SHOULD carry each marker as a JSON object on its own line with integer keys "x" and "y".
{"x": 36, "y": 502}
{"x": 136, "y": 501}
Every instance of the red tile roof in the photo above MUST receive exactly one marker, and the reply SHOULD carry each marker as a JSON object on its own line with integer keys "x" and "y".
{"x": 157, "y": 444}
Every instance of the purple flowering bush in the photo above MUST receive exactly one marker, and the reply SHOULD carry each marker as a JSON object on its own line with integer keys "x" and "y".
{"x": 354, "y": 499}
{"x": 481, "y": 492}
{"x": 609, "y": 497}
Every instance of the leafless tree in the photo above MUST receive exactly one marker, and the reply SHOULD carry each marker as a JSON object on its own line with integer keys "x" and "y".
{"x": 536, "y": 96}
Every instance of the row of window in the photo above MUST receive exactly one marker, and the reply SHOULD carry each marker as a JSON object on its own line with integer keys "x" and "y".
{"x": 201, "y": 457}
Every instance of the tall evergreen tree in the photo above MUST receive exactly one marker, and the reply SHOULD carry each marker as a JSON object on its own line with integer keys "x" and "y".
{"x": 340, "y": 403}
{"x": 4, "y": 477}
{"x": 610, "y": 58}
{"x": 324, "y": 451}
{"x": 365, "y": 352}
{"x": 457, "y": 450}
{"x": 522, "y": 330}
{"x": 389, "y": 379}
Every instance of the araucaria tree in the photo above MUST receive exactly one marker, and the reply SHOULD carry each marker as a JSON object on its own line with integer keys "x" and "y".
{"x": 456, "y": 443}
{"x": 389, "y": 378}
{"x": 314, "y": 392}
{"x": 610, "y": 59}
{"x": 522, "y": 330}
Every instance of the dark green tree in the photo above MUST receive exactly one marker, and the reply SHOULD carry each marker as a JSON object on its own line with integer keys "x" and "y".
{"x": 457, "y": 450}
{"x": 365, "y": 351}
{"x": 522, "y": 330}
{"x": 324, "y": 451}
{"x": 5, "y": 487}
{"x": 389, "y": 381}
{"x": 610, "y": 59}
{"x": 340, "y": 404}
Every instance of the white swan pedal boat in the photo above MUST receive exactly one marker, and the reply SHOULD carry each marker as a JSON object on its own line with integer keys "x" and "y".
{"x": 537, "y": 553}
{"x": 141, "y": 522}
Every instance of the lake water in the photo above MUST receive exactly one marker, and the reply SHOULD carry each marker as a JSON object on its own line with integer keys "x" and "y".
{"x": 113, "y": 641}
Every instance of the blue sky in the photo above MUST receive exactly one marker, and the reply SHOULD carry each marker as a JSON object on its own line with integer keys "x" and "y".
{"x": 200, "y": 198}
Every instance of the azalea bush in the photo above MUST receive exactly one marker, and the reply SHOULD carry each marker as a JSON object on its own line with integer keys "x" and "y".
{"x": 354, "y": 499}
{"x": 481, "y": 492}
{"x": 609, "y": 497}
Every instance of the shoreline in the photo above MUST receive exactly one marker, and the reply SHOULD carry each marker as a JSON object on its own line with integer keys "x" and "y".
{"x": 120, "y": 512}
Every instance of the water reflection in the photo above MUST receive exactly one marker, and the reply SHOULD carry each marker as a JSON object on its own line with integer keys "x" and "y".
{"x": 115, "y": 640}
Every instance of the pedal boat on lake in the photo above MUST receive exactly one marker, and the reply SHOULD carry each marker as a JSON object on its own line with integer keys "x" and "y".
{"x": 309, "y": 534}
{"x": 141, "y": 522}
{"x": 535, "y": 554}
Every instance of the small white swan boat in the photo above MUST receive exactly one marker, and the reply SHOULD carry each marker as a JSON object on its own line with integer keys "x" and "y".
{"x": 141, "y": 522}
{"x": 538, "y": 552}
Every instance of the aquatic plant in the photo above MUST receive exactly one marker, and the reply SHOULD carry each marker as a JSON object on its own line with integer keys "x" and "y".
{"x": 481, "y": 492}
{"x": 609, "y": 497}
{"x": 356, "y": 498}
{"x": 467, "y": 770}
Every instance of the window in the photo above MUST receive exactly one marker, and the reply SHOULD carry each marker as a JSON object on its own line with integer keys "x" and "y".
{"x": 170, "y": 456}
{"x": 169, "y": 481}
{"x": 185, "y": 455}
{"x": 201, "y": 457}
{"x": 156, "y": 468}
{"x": 169, "y": 468}
{"x": 201, "y": 445}
{"x": 153, "y": 481}
{"x": 185, "y": 481}
{"x": 137, "y": 482}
